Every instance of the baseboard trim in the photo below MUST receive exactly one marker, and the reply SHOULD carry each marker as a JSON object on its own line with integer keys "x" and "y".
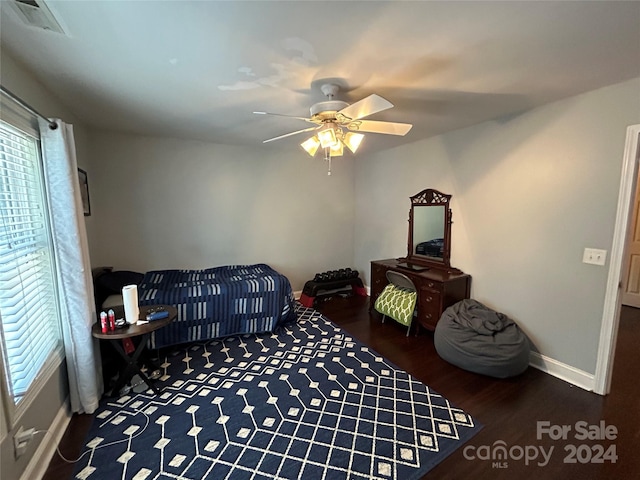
{"x": 41, "y": 458}
{"x": 560, "y": 370}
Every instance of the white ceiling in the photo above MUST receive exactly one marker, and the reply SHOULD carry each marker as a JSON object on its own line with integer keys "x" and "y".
{"x": 198, "y": 69}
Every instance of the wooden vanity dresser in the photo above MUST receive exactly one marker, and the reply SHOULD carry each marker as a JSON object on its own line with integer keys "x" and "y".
{"x": 437, "y": 289}
{"x": 427, "y": 264}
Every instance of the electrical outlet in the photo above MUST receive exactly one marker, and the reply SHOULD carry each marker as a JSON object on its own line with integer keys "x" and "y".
{"x": 21, "y": 439}
{"x": 594, "y": 256}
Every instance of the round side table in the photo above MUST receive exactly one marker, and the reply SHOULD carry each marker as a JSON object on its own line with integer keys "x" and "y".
{"x": 117, "y": 336}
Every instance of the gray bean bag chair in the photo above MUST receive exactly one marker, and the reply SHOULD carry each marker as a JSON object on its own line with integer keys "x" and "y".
{"x": 476, "y": 338}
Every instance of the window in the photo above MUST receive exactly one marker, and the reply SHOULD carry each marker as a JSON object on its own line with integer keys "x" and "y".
{"x": 30, "y": 326}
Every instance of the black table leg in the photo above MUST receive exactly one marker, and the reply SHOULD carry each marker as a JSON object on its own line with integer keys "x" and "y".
{"x": 132, "y": 366}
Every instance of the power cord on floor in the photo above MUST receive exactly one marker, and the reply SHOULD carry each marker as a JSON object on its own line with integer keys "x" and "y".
{"x": 147, "y": 420}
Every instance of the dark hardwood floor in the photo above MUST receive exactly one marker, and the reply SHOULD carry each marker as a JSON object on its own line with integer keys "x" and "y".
{"x": 509, "y": 409}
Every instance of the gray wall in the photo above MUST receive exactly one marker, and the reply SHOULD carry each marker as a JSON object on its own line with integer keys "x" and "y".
{"x": 43, "y": 410}
{"x": 530, "y": 192}
{"x": 168, "y": 203}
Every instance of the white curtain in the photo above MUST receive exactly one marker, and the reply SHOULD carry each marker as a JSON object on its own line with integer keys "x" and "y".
{"x": 73, "y": 265}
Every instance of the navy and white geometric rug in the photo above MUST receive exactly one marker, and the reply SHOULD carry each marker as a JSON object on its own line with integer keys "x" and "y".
{"x": 310, "y": 402}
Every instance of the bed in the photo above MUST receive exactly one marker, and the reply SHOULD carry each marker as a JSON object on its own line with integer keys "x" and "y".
{"x": 217, "y": 302}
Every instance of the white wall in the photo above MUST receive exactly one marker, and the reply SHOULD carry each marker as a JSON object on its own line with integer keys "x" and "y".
{"x": 530, "y": 192}
{"x": 167, "y": 203}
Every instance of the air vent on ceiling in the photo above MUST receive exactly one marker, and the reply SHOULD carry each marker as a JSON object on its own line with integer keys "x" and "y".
{"x": 35, "y": 13}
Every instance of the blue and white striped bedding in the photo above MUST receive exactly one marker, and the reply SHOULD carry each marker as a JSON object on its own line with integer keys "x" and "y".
{"x": 218, "y": 302}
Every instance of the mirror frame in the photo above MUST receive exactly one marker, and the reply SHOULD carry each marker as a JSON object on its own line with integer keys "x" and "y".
{"x": 431, "y": 197}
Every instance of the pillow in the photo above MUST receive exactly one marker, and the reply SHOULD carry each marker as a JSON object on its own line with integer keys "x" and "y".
{"x": 397, "y": 303}
{"x": 112, "y": 301}
{"x": 114, "y": 281}
{"x": 107, "y": 282}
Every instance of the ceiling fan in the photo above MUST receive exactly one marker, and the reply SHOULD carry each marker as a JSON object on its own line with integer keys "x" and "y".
{"x": 337, "y": 124}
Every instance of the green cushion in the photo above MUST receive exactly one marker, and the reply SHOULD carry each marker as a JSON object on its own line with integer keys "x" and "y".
{"x": 397, "y": 303}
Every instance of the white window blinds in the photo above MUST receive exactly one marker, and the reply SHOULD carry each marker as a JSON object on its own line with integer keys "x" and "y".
{"x": 28, "y": 298}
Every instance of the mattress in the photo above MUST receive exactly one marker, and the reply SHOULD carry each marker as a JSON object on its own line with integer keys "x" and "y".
{"x": 218, "y": 302}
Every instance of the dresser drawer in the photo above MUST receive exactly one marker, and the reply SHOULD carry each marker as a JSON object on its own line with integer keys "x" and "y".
{"x": 379, "y": 277}
{"x": 378, "y": 282}
{"x": 437, "y": 286}
{"x": 429, "y": 307}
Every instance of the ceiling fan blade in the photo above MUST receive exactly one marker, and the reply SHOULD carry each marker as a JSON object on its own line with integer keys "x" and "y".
{"x": 286, "y": 116}
{"x": 373, "y": 126}
{"x": 365, "y": 107}
{"x": 289, "y": 134}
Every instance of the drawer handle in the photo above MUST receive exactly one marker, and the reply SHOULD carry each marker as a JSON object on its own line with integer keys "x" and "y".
{"x": 428, "y": 315}
{"x": 429, "y": 299}
{"x": 431, "y": 284}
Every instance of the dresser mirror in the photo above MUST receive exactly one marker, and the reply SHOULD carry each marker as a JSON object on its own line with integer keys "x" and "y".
{"x": 429, "y": 242}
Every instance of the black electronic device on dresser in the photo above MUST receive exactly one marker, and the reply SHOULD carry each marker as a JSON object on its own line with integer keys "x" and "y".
{"x": 427, "y": 263}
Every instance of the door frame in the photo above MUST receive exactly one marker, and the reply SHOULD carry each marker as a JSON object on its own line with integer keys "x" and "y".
{"x": 613, "y": 293}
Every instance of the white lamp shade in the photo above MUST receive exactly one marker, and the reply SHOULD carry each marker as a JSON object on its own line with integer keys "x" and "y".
{"x": 337, "y": 149}
{"x": 311, "y": 145}
{"x": 353, "y": 141}
{"x": 327, "y": 137}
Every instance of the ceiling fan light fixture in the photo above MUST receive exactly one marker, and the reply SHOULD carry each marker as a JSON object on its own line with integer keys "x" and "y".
{"x": 353, "y": 141}
{"x": 327, "y": 136}
{"x": 336, "y": 150}
{"x": 311, "y": 145}
{"x": 338, "y": 124}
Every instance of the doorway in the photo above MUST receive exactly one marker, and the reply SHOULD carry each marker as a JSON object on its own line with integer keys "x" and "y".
{"x": 631, "y": 278}
{"x": 621, "y": 235}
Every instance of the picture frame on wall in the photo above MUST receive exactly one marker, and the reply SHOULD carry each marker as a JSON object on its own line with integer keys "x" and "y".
{"x": 84, "y": 192}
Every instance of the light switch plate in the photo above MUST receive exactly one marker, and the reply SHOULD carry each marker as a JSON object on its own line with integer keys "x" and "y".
{"x": 594, "y": 256}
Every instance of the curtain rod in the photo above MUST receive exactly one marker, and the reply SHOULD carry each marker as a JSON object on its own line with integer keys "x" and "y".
{"x": 52, "y": 125}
